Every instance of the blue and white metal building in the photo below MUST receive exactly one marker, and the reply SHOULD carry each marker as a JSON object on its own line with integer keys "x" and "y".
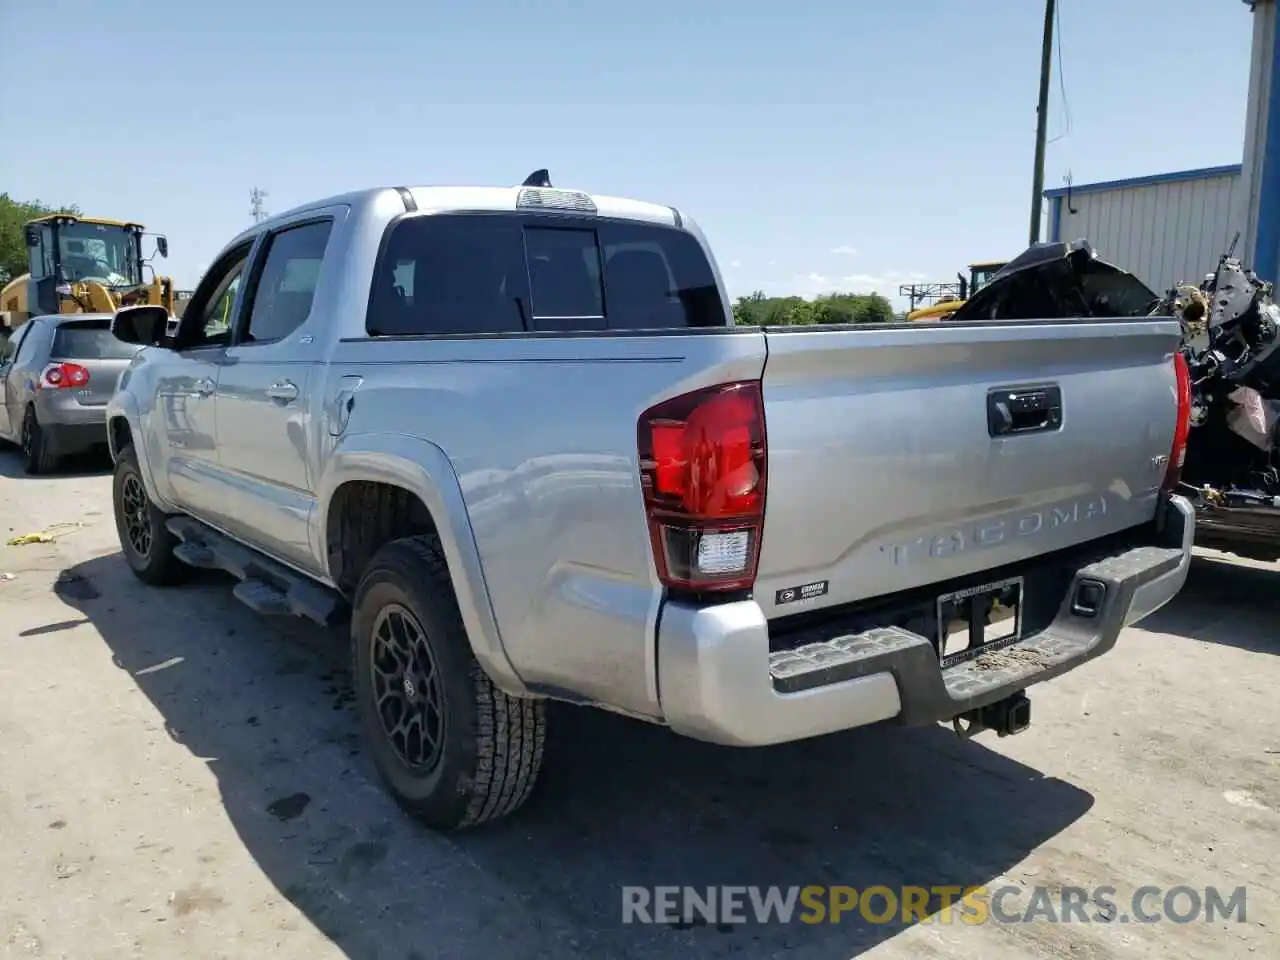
{"x": 1172, "y": 227}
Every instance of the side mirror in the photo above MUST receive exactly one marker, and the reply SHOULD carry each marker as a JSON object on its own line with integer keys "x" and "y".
{"x": 32, "y": 235}
{"x": 162, "y": 246}
{"x": 145, "y": 324}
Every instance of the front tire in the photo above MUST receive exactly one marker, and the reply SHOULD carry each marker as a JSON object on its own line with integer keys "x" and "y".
{"x": 145, "y": 541}
{"x": 453, "y": 749}
{"x": 37, "y": 455}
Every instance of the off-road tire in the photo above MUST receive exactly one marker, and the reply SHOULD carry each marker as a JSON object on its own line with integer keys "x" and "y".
{"x": 157, "y": 566}
{"x": 37, "y": 453}
{"x": 491, "y": 744}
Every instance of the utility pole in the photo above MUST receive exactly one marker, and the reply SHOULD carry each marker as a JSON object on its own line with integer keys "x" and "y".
{"x": 1042, "y": 119}
{"x": 256, "y": 209}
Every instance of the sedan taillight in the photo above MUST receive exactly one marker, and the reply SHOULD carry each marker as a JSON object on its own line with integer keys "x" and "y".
{"x": 64, "y": 376}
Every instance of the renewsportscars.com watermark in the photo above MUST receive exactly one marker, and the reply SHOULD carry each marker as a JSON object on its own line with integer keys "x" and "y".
{"x": 937, "y": 904}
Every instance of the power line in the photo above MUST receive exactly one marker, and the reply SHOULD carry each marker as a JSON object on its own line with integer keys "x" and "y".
{"x": 1062, "y": 82}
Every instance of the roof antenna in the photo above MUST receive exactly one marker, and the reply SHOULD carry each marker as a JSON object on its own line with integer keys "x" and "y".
{"x": 539, "y": 178}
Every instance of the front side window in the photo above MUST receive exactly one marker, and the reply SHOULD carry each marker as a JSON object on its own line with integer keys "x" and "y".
{"x": 98, "y": 252}
{"x": 9, "y": 345}
{"x": 285, "y": 289}
{"x": 27, "y": 349}
{"x": 207, "y": 320}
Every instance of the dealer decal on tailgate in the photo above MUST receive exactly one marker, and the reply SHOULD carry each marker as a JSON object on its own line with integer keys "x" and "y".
{"x": 805, "y": 591}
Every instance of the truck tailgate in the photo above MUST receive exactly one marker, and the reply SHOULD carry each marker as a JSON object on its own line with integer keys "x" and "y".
{"x": 886, "y": 472}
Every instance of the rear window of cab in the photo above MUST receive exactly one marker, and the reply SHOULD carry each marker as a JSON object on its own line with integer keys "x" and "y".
{"x": 460, "y": 274}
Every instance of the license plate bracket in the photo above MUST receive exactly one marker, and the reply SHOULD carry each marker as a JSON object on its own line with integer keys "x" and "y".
{"x": 978, "y": 619}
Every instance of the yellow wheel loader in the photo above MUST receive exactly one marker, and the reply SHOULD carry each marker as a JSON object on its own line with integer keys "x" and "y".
{"x": 980, "y": 275}
{"x": 83, "y": 265}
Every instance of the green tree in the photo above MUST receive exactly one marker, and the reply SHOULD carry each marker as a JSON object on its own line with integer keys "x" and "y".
{"x": 13, "y": 246}
{"x": 756, "y": 309}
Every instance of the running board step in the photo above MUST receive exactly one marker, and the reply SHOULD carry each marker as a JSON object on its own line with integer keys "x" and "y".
{"x": 262, "y": 597}
{"x": 267, "y": 586}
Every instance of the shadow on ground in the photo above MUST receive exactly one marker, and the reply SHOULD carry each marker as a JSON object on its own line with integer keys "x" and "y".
{"x": 93, "y": 463}
{"x": 1226, "y": 603}
{"x": 621, "y": 803}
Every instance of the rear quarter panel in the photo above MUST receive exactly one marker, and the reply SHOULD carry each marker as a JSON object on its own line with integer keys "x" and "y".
{"x": 541, "y": 434}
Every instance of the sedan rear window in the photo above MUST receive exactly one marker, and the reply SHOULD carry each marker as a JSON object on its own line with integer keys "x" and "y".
{"x": 89, "y": 340}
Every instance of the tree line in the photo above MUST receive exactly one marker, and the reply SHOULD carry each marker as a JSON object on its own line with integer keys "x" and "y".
{"x": 756, "y": 309}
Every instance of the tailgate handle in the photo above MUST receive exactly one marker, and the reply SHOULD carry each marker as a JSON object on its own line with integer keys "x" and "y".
{"x": 1017, "y": 410}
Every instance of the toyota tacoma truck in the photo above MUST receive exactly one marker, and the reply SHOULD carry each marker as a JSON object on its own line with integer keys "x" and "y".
{"x": 513, "y": 439}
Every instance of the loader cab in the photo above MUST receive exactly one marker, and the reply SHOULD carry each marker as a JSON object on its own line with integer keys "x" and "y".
{"x": 980, "y": 274}
{"x": 42, "y": 268}
{"x": 63, "y": 250}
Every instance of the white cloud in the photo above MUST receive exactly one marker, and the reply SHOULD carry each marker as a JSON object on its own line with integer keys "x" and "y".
{"x": 844, "y": 250}
{"x": 735, "y": 264}
{"x": 886, "y": 283}
{"x": 863, "y": 279}
{"x": 816, "y": 278}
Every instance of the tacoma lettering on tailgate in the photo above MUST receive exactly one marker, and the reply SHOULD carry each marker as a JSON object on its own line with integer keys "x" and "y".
{"x": 990, "y": 533}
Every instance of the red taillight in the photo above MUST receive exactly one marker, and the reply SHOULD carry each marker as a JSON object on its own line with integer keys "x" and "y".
{"x": 64, "y": 376}
{"x": 702, "y": 469}
{"x": 1182, "y": 426}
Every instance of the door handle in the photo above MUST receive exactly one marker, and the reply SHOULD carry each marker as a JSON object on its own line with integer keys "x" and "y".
{"x": 204, "y": 387}
{"x": 284, "y": 390}
{"x": 1028, "y": 410}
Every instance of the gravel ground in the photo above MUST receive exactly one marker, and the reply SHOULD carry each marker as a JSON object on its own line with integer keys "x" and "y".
{"x": 179, "y": 777}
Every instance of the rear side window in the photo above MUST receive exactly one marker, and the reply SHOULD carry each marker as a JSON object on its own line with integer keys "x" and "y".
{"x": 89, "y": 340}
{"x": 285, "y": 289}
{"x": 474, "y": 273}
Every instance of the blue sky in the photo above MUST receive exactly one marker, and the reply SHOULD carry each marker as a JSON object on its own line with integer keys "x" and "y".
{"x": 795, "y": 132}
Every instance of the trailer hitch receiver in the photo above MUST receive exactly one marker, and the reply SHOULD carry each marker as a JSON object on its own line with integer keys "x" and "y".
{"x": 1006, "y": 717}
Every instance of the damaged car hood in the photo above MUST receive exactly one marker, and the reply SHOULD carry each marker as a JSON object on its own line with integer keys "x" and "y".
{"x": 1051, "y": 281}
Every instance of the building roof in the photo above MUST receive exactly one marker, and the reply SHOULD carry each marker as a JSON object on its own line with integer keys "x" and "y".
{"x": 1203, "y": 173}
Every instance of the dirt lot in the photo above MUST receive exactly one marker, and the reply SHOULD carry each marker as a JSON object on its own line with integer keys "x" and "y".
{"x": 181, "y": 778}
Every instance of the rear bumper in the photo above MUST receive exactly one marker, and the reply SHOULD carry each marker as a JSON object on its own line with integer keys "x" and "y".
{"x": 58, "y": 408}
{"x": 70, "y": 426}
{"x": 719, "y": 680}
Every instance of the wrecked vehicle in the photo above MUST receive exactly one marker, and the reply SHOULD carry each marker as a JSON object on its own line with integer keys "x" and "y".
{"x": 1230, "y": 374}
{"x": 1232, "y": 469}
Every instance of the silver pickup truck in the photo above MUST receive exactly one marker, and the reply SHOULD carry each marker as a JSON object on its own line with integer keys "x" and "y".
{"x": 512, "y": 436}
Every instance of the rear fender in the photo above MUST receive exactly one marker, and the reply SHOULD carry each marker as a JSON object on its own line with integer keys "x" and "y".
{"x": 422, "y": 468}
